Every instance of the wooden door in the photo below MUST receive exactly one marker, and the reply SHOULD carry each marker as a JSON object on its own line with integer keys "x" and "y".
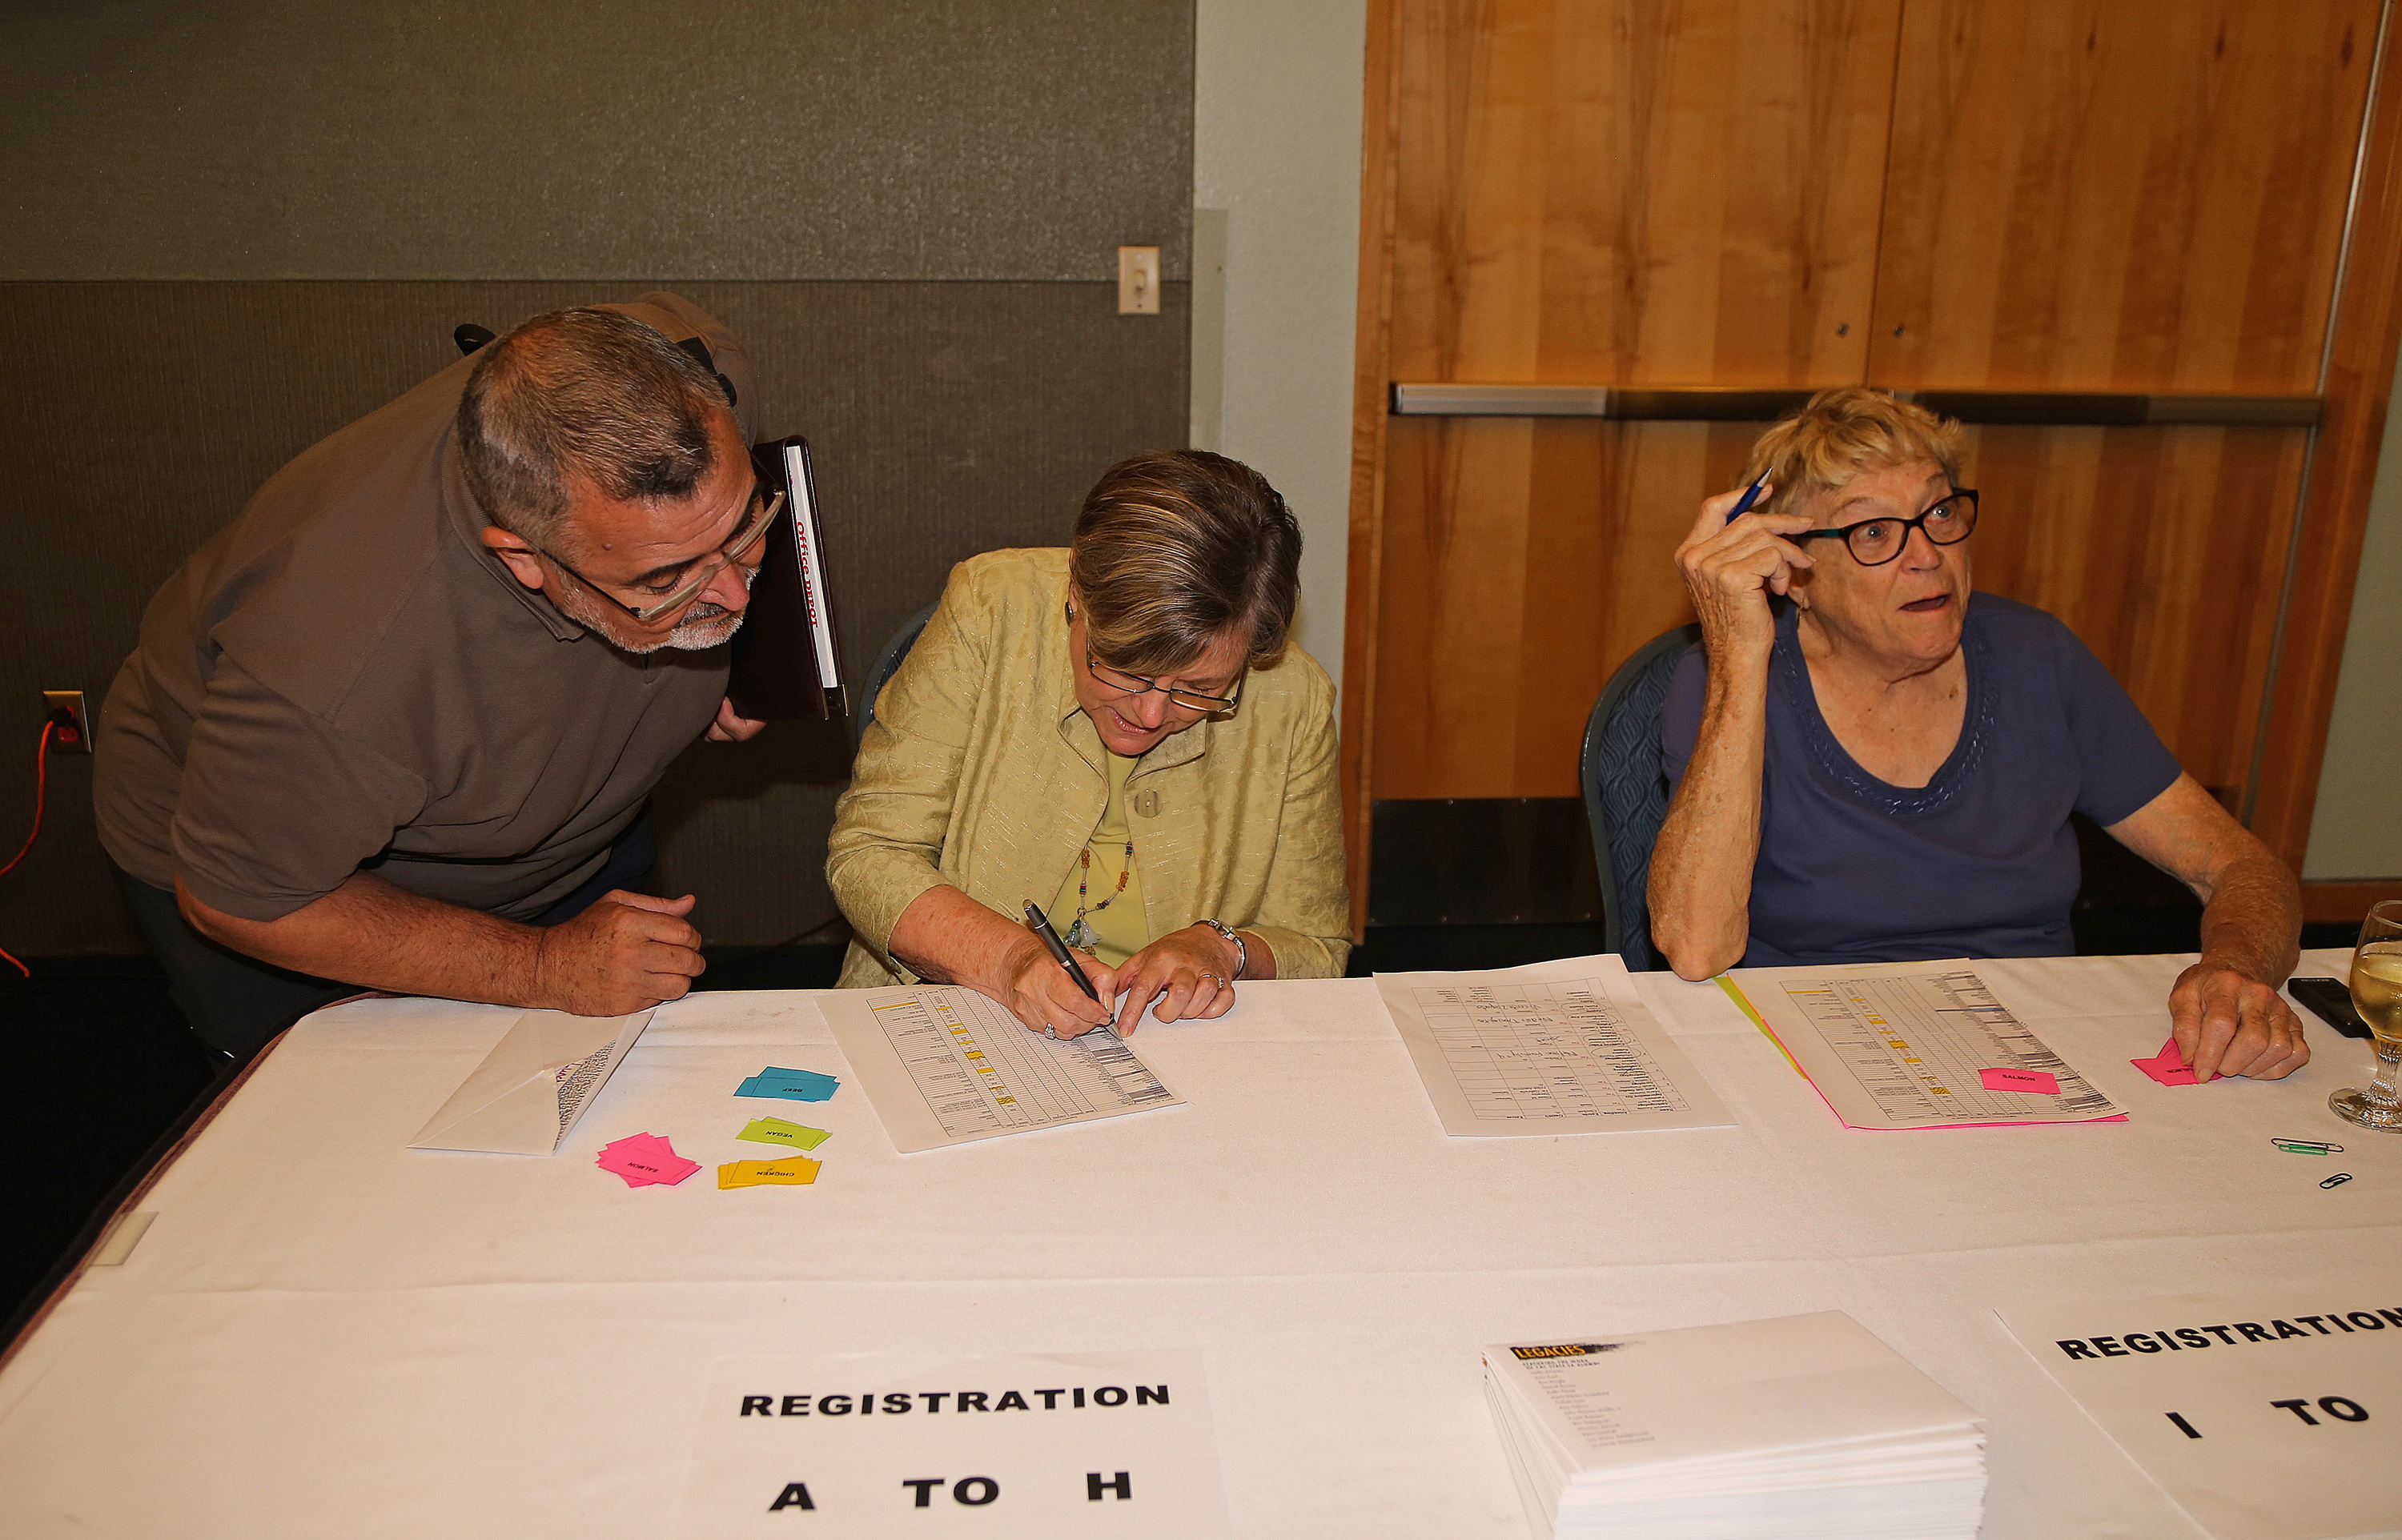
{"x": 1647, "y": 191}
{"x": 2129, "y": 196}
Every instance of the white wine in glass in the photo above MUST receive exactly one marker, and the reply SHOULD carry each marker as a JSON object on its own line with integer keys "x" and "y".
{"x": 2376, "y": 994}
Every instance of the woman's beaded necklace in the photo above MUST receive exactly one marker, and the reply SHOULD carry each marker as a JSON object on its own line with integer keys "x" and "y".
{"x": 1081, "y": 934}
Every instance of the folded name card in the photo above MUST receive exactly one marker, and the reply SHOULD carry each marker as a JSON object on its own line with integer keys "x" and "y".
{"x": 644, "y": 1160}
{"x": 798, "y": 1085}
{"x": 2168, "y": 1066}
{"x": 799, "y": 1171}
{"x": 776, "y": 1131}
{"x": 533, "y": 1084}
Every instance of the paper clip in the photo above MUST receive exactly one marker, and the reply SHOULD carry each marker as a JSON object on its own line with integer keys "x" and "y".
{"x": 2337, "y": 1179}
{"x": 2306, "y": 1147}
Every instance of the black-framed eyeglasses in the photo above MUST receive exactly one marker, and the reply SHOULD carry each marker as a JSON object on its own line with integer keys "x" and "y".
{"x": 1874, "y": 541}
{"x": 744, "y": 540}
{"x": 1144, "y": 684}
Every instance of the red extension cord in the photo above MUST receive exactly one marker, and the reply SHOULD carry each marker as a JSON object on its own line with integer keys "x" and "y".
{"x": 41, "y": 790}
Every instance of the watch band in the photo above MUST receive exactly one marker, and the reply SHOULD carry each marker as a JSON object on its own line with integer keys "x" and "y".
{"x": 1242, "y": 953}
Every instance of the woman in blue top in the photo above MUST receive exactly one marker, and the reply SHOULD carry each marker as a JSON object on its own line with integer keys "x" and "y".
{"x": 1884, "y": 771}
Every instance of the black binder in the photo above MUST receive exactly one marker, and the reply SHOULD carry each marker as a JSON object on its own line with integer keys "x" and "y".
{"x": 787, "y": 664}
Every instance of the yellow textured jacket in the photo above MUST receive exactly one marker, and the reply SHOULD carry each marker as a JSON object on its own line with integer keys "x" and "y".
{"x": 980, "y": 771}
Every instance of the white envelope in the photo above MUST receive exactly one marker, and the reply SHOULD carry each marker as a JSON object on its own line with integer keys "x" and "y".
{"x": 533, "y": 1085}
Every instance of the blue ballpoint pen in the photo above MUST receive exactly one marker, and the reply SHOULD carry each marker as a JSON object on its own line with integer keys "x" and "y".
{"x": 1750, "y": 496}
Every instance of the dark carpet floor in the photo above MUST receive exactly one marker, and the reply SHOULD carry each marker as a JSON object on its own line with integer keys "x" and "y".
{"x": 105, "y": 1072}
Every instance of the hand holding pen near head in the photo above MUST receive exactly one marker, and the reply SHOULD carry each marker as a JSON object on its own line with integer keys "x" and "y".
{"x": 1751, "y": 495}
{"x": 1733, "y": 560}
{"x": 1055, "y": 991}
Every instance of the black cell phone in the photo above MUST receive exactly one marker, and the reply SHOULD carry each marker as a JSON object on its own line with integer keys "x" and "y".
{"x": 2331, "y": 1002}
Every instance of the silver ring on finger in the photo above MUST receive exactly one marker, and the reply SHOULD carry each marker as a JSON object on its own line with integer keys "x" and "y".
{"x": 1051, "y": 1032}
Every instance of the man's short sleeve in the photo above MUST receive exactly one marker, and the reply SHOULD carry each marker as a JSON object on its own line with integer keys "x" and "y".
{"x": 1681, "y": 713}
{"x": 279, "y": 808}
{"x": 2122, "y": 763}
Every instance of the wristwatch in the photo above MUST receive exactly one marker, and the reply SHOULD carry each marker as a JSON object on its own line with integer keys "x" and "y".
{"x": 1242, "y": 953}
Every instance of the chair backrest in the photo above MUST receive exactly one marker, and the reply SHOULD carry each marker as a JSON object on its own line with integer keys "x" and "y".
{"x": 887, "y": 663}
{"x": 1626, "y": 789}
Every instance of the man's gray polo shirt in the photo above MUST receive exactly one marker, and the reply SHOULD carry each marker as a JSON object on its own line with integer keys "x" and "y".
{"x": 346, "y": 677}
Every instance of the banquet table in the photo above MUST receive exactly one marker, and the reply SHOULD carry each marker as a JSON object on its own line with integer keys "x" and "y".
{"x": 324, "y": 1331}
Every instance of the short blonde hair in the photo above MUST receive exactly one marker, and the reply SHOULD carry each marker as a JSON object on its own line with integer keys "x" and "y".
{"x": 1178, "y": 548}
{"x": 1840, "y": 433}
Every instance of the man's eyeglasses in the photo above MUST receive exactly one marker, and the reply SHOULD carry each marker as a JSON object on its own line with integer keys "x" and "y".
{"x": 702, "y": 574}
{"x": 1142, "y": 684}
{"x": 1874, "y": 541}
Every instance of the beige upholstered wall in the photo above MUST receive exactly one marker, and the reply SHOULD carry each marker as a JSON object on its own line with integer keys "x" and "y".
{"x": 231, "y": 232}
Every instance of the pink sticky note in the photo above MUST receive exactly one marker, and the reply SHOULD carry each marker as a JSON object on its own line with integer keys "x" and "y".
{"x": 2168, "y": 1067}
{"x": 2036, "y": 1082}
{"x": 645, "y": 1160}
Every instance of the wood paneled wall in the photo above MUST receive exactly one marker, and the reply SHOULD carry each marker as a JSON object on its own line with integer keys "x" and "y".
{"x": 2096, "y": 195}
{"x": 1639, "y": 192}
{"x": 2118, "y": 195}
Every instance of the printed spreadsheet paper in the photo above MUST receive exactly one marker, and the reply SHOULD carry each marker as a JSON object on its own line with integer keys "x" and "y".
{"x": 1565, "y": 1047}
{"x": 1906, "y": 1045}
{"x": 942, "y": 1065}
{"x": 996, "y": 1447}
{"x": 2268, "y": 1414}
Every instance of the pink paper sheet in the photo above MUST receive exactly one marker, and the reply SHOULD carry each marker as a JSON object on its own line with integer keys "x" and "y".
{"x": 645, "y": 1160}
{"x": 2168, "y": 1067}
{"x": 2037, "y": 1083}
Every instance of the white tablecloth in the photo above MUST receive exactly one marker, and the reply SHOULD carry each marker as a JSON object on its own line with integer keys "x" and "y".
{"x": 324, "y": 1332}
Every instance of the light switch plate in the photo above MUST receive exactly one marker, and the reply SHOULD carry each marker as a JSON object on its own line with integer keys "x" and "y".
{"x": 1138, "y": 280}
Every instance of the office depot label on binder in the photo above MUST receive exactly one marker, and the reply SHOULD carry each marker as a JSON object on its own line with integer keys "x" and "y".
{"x": 863, "y": 1446}
{"x": 786, "y": 661}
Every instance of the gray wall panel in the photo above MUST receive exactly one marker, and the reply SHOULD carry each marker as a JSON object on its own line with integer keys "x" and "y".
{"x": 947, "y": 419}
{"x": 514, "y": 139}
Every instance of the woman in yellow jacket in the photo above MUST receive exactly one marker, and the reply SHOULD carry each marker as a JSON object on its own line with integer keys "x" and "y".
{"x": 1120, "y": 732}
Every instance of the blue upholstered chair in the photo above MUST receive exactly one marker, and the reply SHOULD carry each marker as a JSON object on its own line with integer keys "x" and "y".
{"x": 1626, "y": 789}
{"x": 887, "y": 663}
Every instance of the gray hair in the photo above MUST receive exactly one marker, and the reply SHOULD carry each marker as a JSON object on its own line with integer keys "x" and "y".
{"x": 584, "y": 392}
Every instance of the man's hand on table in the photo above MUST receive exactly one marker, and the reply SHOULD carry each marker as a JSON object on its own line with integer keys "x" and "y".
{"x": 730, "y": 727}
{"x": 2227, "y": 1024}
{"x": 1186, "y": 975}
{"x": 627, "y": 952}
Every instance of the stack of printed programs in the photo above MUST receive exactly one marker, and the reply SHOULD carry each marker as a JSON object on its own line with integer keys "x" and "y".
{"x": 1792, "y": 1428}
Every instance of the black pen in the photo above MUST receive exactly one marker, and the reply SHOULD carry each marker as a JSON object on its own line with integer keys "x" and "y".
{"x": 1750, "y": 496}
{"x": 1065, "y": 958}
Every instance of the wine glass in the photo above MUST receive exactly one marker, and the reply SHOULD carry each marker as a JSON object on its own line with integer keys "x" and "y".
{"x": 2376, "y": 994}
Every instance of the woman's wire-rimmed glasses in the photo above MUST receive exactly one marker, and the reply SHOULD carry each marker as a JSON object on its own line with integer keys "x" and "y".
{"x": 1142, "y": 684}
{"x": 1874, "y": 541}
{"x": 700, "y": 577}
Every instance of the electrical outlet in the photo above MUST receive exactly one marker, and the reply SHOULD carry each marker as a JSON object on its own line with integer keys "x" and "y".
{"x": 64, "y": 709}
{"x": 1138, "y": 280}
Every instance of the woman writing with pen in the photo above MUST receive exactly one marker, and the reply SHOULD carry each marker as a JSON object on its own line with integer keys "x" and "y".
{"x": 1120, "y": 733}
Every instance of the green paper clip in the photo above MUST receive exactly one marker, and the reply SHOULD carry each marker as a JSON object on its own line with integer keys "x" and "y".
{"x": 2306, "y": 1147}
